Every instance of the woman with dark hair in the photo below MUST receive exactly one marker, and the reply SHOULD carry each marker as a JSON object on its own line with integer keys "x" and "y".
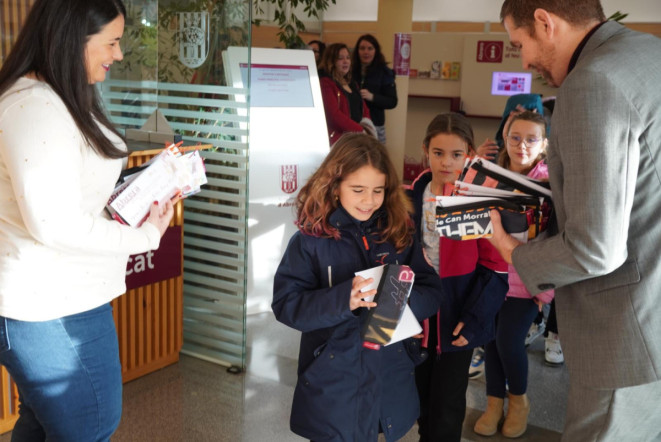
{"x": 62, "y": 260}
{"x": 318, "y": 47}
{"x": 375, "y": 79}
{"x": 343, "y": 105}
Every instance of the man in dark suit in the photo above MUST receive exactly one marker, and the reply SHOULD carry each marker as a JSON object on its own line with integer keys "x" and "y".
{"x": 605, "y": 173}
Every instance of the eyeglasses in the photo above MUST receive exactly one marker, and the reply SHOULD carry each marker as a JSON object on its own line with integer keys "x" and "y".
{"x": 516, "y": 140}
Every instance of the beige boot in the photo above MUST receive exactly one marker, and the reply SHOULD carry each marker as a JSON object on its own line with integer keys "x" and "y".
{"x": 487, "y": 424}
{"x": 517, "y": 415}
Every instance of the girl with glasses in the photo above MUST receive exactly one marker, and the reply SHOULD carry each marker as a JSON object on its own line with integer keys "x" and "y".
{"x": 506, "y": 358}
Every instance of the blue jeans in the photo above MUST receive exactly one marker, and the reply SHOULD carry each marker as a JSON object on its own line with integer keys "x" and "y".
{"x": 381, "y": 134}
{"x": 68, "y": 375}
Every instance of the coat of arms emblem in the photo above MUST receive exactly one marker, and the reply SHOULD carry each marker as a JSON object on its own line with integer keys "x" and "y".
{"x": 193, "y": 38}
{"x": 289, "y": 178}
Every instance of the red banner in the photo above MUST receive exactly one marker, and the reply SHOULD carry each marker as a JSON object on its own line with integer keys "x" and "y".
{"x": 490, "y": 51}
{"x": 156, "y": 265}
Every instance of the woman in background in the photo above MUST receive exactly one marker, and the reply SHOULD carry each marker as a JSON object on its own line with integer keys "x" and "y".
{"x": 343, "y": 105}
{"x": 376, "y": 81}
{"x": 62, "y": 260}
{"x": 318, "y": 48}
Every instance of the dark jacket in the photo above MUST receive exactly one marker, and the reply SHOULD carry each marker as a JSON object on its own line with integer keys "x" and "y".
{"x": 336, "y": 108}
{"x": 379, "y": 80}
{"x": 345, "y": 391}
{"x": 474, "y": 278}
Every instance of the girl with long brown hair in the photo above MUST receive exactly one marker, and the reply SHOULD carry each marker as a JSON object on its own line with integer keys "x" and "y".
{"x": 352, "y": 215}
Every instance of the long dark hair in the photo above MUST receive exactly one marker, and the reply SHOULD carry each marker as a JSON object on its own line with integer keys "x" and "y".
{"x": 52, "y": 46}
{"x": 379, "y": 59}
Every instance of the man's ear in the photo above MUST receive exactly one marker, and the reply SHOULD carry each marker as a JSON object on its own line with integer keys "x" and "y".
{"x": 545, "y": 23}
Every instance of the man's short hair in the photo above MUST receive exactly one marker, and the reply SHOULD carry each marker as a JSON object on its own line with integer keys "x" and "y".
{"x": 575, "y": 12}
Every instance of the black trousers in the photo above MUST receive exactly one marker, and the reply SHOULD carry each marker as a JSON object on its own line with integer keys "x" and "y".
{"x": 442, "y": 381}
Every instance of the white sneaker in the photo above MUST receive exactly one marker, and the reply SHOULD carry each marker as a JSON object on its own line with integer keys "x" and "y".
{"x": 476, "y": 368}
{"x": 536, "y": 330}
{"x": 553, "y": 353}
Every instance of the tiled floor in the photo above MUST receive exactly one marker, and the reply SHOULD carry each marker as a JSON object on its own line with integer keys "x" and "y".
{"x": 195, "y": 400}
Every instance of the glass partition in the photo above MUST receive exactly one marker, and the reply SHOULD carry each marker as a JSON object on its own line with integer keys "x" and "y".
{"x": 173, "y": 62}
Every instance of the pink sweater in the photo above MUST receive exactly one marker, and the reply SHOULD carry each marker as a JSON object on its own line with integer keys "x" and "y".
{"x": 517, "y": 289}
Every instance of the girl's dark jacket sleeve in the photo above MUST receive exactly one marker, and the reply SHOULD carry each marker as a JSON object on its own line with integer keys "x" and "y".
{"x": 308, "y": 296}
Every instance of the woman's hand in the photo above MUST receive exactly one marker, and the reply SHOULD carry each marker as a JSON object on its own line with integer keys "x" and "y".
{"x": 367, "y": 95}
{"x": 539, "y": 303}
{"x": 460, "y": 341}
{"x": 356, "y": 299}
{"x": 160, "y": 215}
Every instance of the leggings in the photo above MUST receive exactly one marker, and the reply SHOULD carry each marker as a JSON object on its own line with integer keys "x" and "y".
{"x": 506, "y": 358}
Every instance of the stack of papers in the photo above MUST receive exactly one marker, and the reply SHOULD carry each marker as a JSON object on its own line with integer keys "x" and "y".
{"x": 524, "y": 203}
{"x": 159, "y": 179}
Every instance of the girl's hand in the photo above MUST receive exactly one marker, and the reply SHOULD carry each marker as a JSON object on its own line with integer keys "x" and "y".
{"x": 519, "y": 108}
{"x": 488, "y": 149}
{"x": 460, "y": 341}
{"x": 367, "y": 95}
{"x": 356, "y": 298}
{"x": 427, "y": 258}
{"x": 539, "y": 303}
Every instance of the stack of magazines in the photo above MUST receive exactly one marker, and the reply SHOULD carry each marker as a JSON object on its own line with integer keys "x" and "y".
{"x": 524, "y": 203}
{"x": 159, "y": 179}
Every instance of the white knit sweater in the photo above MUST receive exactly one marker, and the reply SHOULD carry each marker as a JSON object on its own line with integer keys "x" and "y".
{"x": 60, "y": 254}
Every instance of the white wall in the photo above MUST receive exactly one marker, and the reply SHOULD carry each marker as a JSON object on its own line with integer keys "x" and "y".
{"x": 478, "y": 10}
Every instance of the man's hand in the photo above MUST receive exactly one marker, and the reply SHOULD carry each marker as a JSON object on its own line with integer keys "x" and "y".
{"x": 501, "y": 240}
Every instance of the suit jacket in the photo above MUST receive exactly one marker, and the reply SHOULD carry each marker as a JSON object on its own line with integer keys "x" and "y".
{"x": 605, "y": 172}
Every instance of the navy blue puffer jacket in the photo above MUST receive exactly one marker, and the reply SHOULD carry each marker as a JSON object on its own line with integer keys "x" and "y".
{"x": 346, "y": 392}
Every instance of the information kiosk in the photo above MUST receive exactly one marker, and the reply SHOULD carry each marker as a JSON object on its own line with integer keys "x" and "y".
{"x": 288, "y": 140}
